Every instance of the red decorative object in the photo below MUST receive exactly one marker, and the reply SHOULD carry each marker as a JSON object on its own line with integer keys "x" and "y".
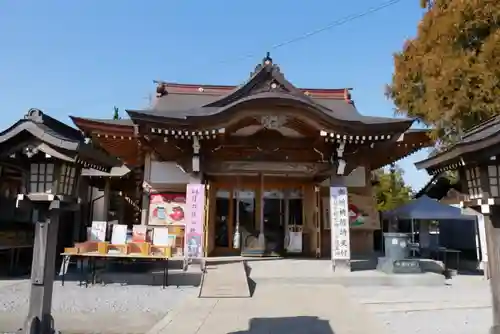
{"x": 177, "y": 213}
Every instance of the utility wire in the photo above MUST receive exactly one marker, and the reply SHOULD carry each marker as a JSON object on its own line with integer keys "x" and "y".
{"x": 329, "y": 26}
{"x": 299, "y": 38}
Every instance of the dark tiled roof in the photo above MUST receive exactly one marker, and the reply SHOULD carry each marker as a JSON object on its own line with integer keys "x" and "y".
{"x": 178, "y": 102}
{"x": 114, "y": 172}
{"x": 175, "y": 102}
{"x": 481, "y": 131}
{"x": 169, "y": 106}
{"x": 438, "y": 187}
{"x": 122, "y": 122}
{"x": 52, "y": 137}
{"x": 479, "y": 138}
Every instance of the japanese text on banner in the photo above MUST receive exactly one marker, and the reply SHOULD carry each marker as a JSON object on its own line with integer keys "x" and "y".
{"x": 195, "y": 223}
{"x": 339, "y": 209}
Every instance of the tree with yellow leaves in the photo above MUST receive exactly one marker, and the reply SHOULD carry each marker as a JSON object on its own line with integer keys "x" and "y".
{"x": 448, "y": 76}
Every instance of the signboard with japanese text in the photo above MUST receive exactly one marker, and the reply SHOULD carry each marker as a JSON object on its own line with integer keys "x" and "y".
{"x": 195, "y": 204}
{"x": 339, "y": 217}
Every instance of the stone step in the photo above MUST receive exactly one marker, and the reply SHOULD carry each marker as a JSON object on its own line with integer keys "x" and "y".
{"x": 225, "y": 280}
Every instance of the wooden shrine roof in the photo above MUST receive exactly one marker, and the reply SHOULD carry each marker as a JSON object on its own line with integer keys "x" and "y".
{"x": 382, "y": 154}
{"x": 479, "y": 143}
{"x": 38, "y": 133}
{"x": 190, "y": 106}
{"x": 229, "y": 115}
{"x": 438, "y": 187}
{"x": 117, "y": 137}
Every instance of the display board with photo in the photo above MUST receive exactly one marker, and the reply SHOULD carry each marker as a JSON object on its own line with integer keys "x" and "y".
{"x": 167, "y": 209}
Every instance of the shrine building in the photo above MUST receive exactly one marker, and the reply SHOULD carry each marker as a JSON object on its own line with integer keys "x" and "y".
{"x": 266, "y": 151}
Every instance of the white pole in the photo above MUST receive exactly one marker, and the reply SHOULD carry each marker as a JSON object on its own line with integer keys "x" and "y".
{"x": 412, "y": 224}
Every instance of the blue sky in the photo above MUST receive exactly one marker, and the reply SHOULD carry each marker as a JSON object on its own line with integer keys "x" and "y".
{"x": 84, "y": 57}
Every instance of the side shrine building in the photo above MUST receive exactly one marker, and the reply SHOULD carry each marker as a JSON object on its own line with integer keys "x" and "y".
{"x": 266, "y": 151}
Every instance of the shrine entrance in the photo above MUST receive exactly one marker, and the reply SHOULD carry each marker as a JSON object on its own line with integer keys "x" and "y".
{"x": 277, "y": 209}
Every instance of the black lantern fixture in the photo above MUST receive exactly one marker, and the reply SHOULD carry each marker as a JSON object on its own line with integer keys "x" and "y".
{"x": 52, "y": 156}
{"x": 476, "y": 157}
{"x": 51, "y": 176}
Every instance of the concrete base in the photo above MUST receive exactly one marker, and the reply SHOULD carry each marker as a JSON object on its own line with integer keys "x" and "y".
{"x": 360, "y": 279}
{"x": 262, "y": 241}
{"x": 495, "y": 329}
{"x": 341, "y": 266}
{"x": 406, "y": 266}
{"x": 303, "y": 271}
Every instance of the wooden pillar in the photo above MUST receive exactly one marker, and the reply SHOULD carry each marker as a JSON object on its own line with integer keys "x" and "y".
{"x": 206, "y": 219}
{"x": 107, "y": 196}
{"x": 492, "y": 225}
{"x": 145, "y": 195}
{"x": 212, "y": 201}
{"x": 259, "y": 193}
{"x": 39, "y": 319}
{"x": 81, "y": 214}
{"x": 286, "y": 221}
{"x": 262, "y": 239}
{"x": 317, "y": 220}
{"x": 236, "y": 242}
{"x": 121, "y": 208}
{"x": 308, "y": 215}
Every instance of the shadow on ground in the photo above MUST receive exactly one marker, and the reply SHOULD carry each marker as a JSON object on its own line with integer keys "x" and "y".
{"x": 288, "y": 325}
{"x": 177, "y": 278}
{"x": 133, "y": 274}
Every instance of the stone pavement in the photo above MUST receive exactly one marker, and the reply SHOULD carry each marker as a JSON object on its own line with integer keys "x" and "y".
{"x": 461, "y": 307}
{"x": 225, "y": 280}
{"x": 274, "y": 308}
{"x": 9, "y": 282}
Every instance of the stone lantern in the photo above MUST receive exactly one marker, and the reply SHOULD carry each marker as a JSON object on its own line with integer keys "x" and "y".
{"x": 476, "y": 157}
{"x": 52, "y": 155}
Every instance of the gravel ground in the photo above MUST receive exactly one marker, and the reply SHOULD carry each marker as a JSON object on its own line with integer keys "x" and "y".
{"x": 113, "y": 308}
{"x": 463, "y": 307}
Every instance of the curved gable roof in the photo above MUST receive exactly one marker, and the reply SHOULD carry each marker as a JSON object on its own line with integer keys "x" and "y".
{"x": 481, "y": 137}
{"x": 267, "y": 81}
{"x": 54, "y": 138}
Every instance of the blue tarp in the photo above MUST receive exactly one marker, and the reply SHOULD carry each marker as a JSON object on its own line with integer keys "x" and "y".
{"x": 426, "y": 208}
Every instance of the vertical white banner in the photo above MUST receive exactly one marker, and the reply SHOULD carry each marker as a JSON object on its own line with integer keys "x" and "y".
{"x": 339, "y": 220}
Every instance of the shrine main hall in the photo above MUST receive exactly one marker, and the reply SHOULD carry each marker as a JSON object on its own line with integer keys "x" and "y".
{"x": 266, "y": 151}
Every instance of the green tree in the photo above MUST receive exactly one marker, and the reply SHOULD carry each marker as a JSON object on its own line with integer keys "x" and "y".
{"x": 391, "y": 190}
{"x": 448, "y": 76}
{"x": 116, "y": 114}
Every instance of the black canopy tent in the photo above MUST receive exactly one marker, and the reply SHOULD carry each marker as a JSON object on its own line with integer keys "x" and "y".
{"x": 426, "y": 208}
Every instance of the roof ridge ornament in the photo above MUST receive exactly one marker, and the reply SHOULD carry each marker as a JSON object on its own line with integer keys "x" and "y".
{"x": 267, "y": 59}
{"x": 35, "y": 115}
{"x": 161, "y": 90}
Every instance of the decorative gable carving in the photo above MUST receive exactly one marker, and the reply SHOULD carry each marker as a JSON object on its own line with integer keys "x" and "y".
{"x": 268, "y": 85}
{"x": 272, "y": 122}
